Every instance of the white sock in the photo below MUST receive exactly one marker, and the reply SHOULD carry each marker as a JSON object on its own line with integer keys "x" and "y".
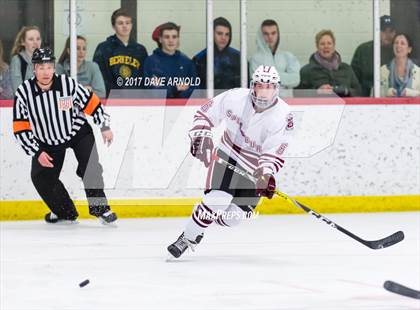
{"x": 206, "y": 212}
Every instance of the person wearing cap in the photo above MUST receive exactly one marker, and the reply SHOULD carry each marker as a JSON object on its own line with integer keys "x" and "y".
{"x": 362, "y": 62}
{"x": 49, "y": 116}
{"x": 227, "y": 60}
{"x": 121, "y": 58}
{"x": 168, "y": 68}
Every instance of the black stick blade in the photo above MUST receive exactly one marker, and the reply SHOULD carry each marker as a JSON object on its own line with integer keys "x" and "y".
{"x": 386, "y": 242}
{"x": 401, "y": 289}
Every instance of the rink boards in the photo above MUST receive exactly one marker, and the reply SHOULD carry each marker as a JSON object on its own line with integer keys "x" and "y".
{"x": 344, "y": 158}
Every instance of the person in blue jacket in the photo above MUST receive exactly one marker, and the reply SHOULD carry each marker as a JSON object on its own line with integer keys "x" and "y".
{"x": 227, "y": 60}
{"x": 120, "y": 58}
{"x": 167, "y": 68}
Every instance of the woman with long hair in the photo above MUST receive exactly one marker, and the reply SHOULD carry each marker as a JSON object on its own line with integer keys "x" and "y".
{"x": 401, "y": 77}
{"x": 5, "y": 81}
{"x": 88, "y": 73}
{"x": 21, "y": 68}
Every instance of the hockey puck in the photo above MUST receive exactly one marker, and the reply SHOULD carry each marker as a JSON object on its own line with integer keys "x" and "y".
{"x": 84, "y": 283}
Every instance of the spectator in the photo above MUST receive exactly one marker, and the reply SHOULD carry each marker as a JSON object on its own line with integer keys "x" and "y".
{"x": 88, "y": 73}
{"x": 326, "y": 72}
{"x": 227, "y": 60}
{"x": 27, "y": 40}
{"x": 120, "y": 57}
{"x": 362, "y": 62}
{"x": 269, "y": 54}
{"x": 5, "y": 80}
{"x": 401, "y": 77}
{"x": 168, "y": 64}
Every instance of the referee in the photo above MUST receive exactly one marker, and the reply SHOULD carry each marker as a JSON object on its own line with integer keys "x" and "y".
{"x": 49, "y": 116}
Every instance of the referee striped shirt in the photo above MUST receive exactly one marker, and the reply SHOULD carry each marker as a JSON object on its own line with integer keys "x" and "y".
{"x": 55, "y": 116}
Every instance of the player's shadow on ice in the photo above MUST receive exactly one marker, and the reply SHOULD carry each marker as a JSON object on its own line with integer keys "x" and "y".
{"x": 217, "y": 260}
{"x": 81, "y": 225}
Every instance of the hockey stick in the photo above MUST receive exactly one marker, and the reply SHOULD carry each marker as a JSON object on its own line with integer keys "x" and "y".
{"x": 374, "y": 244}
{"x": 401, "y": 289}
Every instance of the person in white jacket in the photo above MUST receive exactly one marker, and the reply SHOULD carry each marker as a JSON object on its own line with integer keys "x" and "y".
{"x": 401, "y": 77}
{"x": 269, "y": 54}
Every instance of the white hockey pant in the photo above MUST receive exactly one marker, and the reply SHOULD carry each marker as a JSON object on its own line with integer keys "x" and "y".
{"x": 216, "y": 207}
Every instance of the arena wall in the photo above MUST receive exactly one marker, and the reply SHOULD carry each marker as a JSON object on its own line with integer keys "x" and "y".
{"x": 344, "y": 158}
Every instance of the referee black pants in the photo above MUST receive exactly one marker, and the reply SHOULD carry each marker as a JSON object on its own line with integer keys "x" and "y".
{"x": 52, "y": 190}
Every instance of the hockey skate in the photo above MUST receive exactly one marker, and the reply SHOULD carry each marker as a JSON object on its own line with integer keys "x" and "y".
{"x": 182, "y": 244}
{"x": 52, "y": 218}
{"x": 107, "y": 218}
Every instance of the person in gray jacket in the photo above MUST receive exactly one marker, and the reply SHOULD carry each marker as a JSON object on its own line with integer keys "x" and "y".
{"x": 269, "y": 54}
{"x": 27, "y": 40}
{"x": 5, "y": 81}
{"x": 88, "y": 72}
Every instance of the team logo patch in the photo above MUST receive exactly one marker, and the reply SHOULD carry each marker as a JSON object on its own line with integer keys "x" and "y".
{"x": 125, "y": 71}
{"x": 289, "y": 120}
{"x": 65, "y": 103}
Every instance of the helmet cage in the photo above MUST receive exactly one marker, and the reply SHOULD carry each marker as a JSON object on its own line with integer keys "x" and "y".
{"x": 266, "y": 75}
{"x": 263, "y": 102}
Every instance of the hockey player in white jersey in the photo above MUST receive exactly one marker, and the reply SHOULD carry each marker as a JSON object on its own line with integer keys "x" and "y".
{"x": 258, "y": 127}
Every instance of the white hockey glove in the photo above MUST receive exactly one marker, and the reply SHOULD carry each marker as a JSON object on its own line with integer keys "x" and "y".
{"x": 201, "y": 144}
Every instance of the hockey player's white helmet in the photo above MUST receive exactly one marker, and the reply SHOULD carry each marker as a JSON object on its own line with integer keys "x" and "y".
{"x": 265, "y": 86}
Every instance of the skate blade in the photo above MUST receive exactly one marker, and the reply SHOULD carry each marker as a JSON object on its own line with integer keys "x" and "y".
{"x": 169, "y": 258}
{"x": 65, "y": 223}
{"x": 172, "y": 259}
{"x": 105, "y": 223}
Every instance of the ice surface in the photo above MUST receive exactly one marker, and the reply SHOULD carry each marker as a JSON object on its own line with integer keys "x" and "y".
{"x": 271, "y": 262}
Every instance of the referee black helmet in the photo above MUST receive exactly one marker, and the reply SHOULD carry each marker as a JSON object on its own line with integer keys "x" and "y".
{"x": 43, "y": 55}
